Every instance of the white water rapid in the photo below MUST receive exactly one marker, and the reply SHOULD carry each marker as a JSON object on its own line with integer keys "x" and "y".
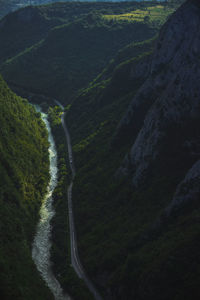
{"x": 42, "y": 241}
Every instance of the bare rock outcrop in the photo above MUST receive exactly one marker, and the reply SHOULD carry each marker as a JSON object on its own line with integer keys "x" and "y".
{"x": 187, "y": 191}
{"x": 170, "y": 96}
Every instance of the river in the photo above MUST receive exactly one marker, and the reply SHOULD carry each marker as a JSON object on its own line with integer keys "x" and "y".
{"x": 42, "y": 240}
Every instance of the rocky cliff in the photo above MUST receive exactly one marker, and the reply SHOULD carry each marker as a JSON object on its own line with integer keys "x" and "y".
{"x": 139, "y": 234}
{"x": 170, "y": 95}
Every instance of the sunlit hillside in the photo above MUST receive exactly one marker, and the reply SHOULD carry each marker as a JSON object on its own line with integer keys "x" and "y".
{"x": 150, "y": 14}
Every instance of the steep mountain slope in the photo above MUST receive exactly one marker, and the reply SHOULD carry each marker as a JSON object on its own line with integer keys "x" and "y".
{"x": 107, "y": 93}
{"x": 24, "y": 176}
{"x": 7, "y": 6}
{"x": 37, "y": 66}
{"x": 171, "y": 91}
{"x": 71, "y": 55}
{"x": 22, "y": 29}
{"x": 25, "y": 27}
{"x": 137, "y": 217}
{"x": 136, "y": 192}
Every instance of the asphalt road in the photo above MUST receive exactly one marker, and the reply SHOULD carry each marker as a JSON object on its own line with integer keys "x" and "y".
{"x": 75, "y": 261}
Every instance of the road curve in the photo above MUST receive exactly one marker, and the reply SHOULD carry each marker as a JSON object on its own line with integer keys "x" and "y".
{"x": 75, "y": 261}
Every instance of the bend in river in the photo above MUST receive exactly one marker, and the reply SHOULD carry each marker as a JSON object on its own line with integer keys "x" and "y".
{"x": 42, "y": 241}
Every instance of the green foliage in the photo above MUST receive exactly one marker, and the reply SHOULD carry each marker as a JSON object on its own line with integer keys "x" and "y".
{"x": 24, "y": 172}
{"x": 154, "y": 15}
{"x": 54, "y": 114}
{"x": 107, "y": 97}
{"x": 97, "y": 111}
{"x": 24, "y": 28}
{"x": 121, "y": 245}
{"x": 72, "y": 54}
{"x": 130, "y": 51}
{"x": 60, "y": 252}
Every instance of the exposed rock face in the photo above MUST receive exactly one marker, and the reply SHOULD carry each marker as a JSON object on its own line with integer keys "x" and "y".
{"x": 170, "y": 96}
{"x": 188, "y": 190}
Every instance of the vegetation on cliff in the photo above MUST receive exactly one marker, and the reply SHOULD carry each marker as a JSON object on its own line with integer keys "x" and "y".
{"x": 24, "y": 172}
{"x": 59, "y": 60}
{"x": 128, "y": 244}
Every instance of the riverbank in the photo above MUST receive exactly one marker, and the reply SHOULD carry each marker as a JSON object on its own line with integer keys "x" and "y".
{"x": 24, "y": 172}
{"x": 60, "y": 252}
{"x": 42, "y": 242}
{"x": 60, "y": 236}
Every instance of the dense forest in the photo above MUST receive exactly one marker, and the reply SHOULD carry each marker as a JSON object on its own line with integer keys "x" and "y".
{"x": 12, "y": 5}
{"x": 24, "y": 167}
{"x": 60, "y": 60}
{"x": 128, "y": 75}
{"x": 141, "y": 242}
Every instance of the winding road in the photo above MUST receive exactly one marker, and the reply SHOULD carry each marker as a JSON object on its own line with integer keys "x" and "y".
{"x": 75, "y": 261}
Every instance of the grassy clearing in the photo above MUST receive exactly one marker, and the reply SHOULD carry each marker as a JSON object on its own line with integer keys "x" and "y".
{"x": 150, "y": 14}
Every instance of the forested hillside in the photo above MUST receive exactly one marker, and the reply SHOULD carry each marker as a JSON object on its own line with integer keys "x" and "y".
{"x": 7, "y": 6}
{"x": 132, "y": 108}
{"x": 136, "y": 192}
{"x": 71, "y": 55}
{"x": 24, "y": 173}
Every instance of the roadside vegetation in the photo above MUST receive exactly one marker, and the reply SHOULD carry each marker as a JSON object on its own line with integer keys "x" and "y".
{"x": 24, "y": 173}
{"x": 60, "y": 252}
{"x": 86, "y": 56}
